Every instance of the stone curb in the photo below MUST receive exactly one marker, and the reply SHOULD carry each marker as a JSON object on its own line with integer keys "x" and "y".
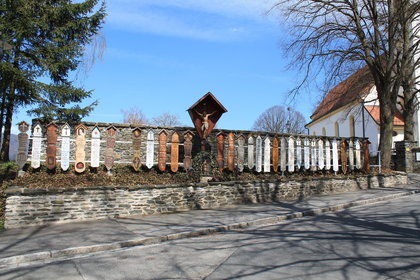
{"x": 50, "y": 256}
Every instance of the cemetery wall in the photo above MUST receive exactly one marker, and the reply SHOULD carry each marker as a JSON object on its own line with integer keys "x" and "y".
{"x": 27, "y": 207}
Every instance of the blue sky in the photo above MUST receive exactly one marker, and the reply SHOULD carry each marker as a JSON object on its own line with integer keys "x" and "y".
{"x": 163, "y": 55}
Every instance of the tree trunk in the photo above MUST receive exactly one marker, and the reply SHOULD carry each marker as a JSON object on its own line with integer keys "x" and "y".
{"x": 408, "y": 112}
{"x": 3, "y": 102}
{"x": 387, "y": 112}
{"x": 4, "y": 154}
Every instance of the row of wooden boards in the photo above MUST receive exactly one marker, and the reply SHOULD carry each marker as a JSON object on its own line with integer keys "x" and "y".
{"x": 278, "y": 153}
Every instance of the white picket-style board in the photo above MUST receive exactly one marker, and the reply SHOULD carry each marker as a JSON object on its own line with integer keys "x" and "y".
{"x": 258, "y": 166}
{"x": 351, "y": 155}
{"x": 95, "y": 147}
{"x": 291, "y": 155}
{"x": 65, "y": 147}
{"x": 267, "y": 154}
{"x": 251, "y": 161}
{"x": 283, "y": 154}
{"x": 327, "y": 155}
{"x": 358, "y": 156}
{"x": 335, "y": 154}
{"x": 150, "y": 149}
{"x": 36, "y": 147}
{"x": 321, "y": 159}
{"x": 306, "y": 153}
{"x": 313, "y": 155}
{"x": 298, "y": 153}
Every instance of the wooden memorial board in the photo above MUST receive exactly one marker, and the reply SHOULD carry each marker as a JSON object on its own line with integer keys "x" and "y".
{"x": 231, "y": 152}
{"x": 174, "y": 151}
{"x": 291, "y": 155}
{"x": 335, "y": 154}
{"x": 306, "y": 153}
{"x": 22, "y": 154}
{"x": 275, "y": 155}
{"x": 251, "y": 154}
{"x": 343, "y": 155}
{"x": 51, "y": 146}
{"x": 150, "y": 149}
{"x": 267, "y": 160}
{"x": 163, "y": 137}
{"x": 327, "y": 155}
{"x": 298, "y": 153}
{"x": 313, "y": 155}
{"x": 95, "y": 150}
{"x": 258, "y": 165}
{"x": 110, "y": 146}
{"x": 321, "y": 158}
{"x": 188, "y": 136}
{"x": 220, "y": 150}
{"x": 36, "y": 146}
{"x": 351, "y": 155}
{"x": 136, "y": 138}
{"x": 358, "y": 155}
{"x": 366, "y": 156}
{"x": 283, "y": 154}
{"x": 80, "y": 164}
{"x": 241, "y": 153}
{"x": 65, "y": 147}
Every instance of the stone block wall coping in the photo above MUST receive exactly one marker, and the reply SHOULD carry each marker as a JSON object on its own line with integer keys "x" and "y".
{"x": 17, "y": 190}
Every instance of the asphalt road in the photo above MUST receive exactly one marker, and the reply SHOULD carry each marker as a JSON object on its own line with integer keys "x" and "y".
{"x": 378, "y": 241}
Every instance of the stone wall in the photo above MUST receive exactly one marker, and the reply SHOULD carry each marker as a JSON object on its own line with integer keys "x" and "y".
{"x": 26, "y": 207}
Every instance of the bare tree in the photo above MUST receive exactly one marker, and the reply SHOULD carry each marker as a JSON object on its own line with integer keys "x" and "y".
{"x": 332, "y": 37}
{"x": 277, "y": 119}
{"x": 134, "y": 116}
{"x": 166, "y": 119}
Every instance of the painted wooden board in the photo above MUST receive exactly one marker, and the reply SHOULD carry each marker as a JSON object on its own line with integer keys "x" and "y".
{"x": 241, "y": 153}
{"x": 251, "y": 153}
{"x": 80, "y": 164}
{"x": 36, "y": 146}
{"x": 187, "y": 150}
{"x": 51, "y": 146}
{"x": 321, "y": 157}
{"x": 267, "y": 150}
{"x": 22, "y": 154}
{"x": 258, "y": 151}
{"x": 291, "y": 155}
{"x": 351, "y": 155}
{"x": 110, "y": 146}
{"x": 283, "y": 154}
{"x": 366, "y": 156}
{"x": 150, "y": 149}
{"x": 335, "y": 154}
{"x": 174, "y": 151}
{"x": 221, "y": 151}
{"x": 313, "y": 155}
{"x": 95, "y": 149}
{"x": 275, "y": 154}
{"x": 65, "y": 147}
{"x": 327, "y": 155}
{"x": 306, "y": 153}
{"x": 343, "y": 155}
{"x": 136, "y": 138}
{"x": 163, "y": 137}
{"x": 231, "y": 152}
{"x": 298, "y": 153}
{"x": 358, "y": 155}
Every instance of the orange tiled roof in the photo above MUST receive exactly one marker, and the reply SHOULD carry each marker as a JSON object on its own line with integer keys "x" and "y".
{"x": 349, "y": 90}
{"x": 374, "y": 112}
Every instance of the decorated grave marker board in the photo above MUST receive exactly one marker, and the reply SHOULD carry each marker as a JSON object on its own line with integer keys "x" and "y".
{"x": 163, "y": 137}
{"x": 291, "y": 154}
{"x": 267, "y": 160}
{"x": 80, "y": 164}
{"x": 22, "y": 155}
{"x": 188, "y": 136}
{"x": 204, "y": 114}
{"x": 241, "y": 153}
{"x": 110, "y": 146}
{"x": 150, "y": 149}
{"x": 220, "y": 150}
{"x": 95, "y": 147}
{"x": 174, "y": 151}
{"x": 51, "y": 146}
{"x": 251, "y": 153}
{"x": 65, "y": 147}
{"x": 343, "y": 156}
{"x": 231, "y": 152}
{"x": 36, "y": 146}
{"x": 258, "y": 165}
{"x": 275, "y": 155}
{"x": 136, "y": 137}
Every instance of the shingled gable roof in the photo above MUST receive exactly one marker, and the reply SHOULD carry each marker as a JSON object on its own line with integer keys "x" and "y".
{"x": 354, "y": 87}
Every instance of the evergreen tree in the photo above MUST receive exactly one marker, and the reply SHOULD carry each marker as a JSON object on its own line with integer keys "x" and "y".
{"x": 47, "y": 39}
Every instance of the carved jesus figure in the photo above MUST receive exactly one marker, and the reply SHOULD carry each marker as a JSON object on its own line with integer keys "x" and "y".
{"x": 204, "y": 121}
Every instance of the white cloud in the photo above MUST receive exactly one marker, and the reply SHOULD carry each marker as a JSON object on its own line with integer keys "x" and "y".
{"x": 213, "y": 20}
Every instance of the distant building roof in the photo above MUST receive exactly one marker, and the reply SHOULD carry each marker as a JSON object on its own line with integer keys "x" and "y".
{"x": 354, "y": 87}
{"x": 375, "y": 111}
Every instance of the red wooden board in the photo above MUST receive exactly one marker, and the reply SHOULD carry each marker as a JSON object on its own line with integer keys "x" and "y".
{"x": 80, "y": 164}
{"x": 187, "y": 150}
{"x": 110, "y": 146}
{"x": 231, "y": 152}
{"x": 51, "y": 146}
{"x": 162, "y": 150}
{"x": 174, "y": 152}
{"x": 275, "y": 154}
{"x": 220, "y": 151}
{"x": 343, "y": 155}
{"x": 366, "y": 160}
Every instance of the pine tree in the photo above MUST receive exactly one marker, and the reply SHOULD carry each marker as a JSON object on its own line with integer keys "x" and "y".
{"x": 47, "y": 39}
